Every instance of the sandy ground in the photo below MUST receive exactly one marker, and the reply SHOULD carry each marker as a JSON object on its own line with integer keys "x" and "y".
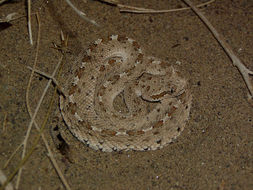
{"x": 215, "y": 149}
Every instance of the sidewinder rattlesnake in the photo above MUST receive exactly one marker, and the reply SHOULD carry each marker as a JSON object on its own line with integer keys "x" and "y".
{"x": 156, "y": 99}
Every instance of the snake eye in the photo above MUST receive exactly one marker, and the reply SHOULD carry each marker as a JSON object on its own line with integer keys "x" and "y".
{"x": 172, "y": 90}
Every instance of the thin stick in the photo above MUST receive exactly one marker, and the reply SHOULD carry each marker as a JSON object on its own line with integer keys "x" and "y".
{"x": 49, "y": 77}
{"x": 81, "y": 14}
{"x": 50, "y": 154}
{"x": 245, "y": 72}
{"x": 27, "y": 156}
{"x": 3, "y": 180}
{"x": 29, "y": 21}
{"x": 140, "y": 10}
{"x": 43, "y": 74}
{"x": 12, "y": 155}
{"x": 37, "y": 108}
{"x": 13, "y": 16}
{"x": 22, "y": 162}
{"x": 9, "y": 17}
{"x": 130, "y": 9}
{"x": 38, "y": 105}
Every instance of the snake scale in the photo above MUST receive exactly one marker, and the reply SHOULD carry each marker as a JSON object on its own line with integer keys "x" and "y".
{"x": 155, "y": 99}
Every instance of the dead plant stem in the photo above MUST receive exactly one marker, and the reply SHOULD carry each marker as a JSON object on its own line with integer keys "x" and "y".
{"x": 141, "y": 10}
{"x": 29, "y": 21}
{"x": 245, "y": 72}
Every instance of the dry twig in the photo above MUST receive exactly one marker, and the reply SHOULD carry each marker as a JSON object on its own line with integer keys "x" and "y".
{"x": 29, "y": 21}
{"x": 81, "y": 14}
{"x": 26, "y": 156}
{"x": 132, "y": 9}
{"x": 12, "y": 155}
{"x": 30, "y": 125}
{"x": 9, "y": 17}
{"x": 3, "y": 180}
{"x": 50, "y": 154}
{"x": 245, "y": 72}
{"x": 61, "y": 90}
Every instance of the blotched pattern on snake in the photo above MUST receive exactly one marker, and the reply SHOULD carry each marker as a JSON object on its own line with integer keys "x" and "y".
{"x": 155, "y": 100}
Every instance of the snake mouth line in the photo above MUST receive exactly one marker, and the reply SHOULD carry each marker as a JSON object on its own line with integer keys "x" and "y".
{"x": 150, "y": 101}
